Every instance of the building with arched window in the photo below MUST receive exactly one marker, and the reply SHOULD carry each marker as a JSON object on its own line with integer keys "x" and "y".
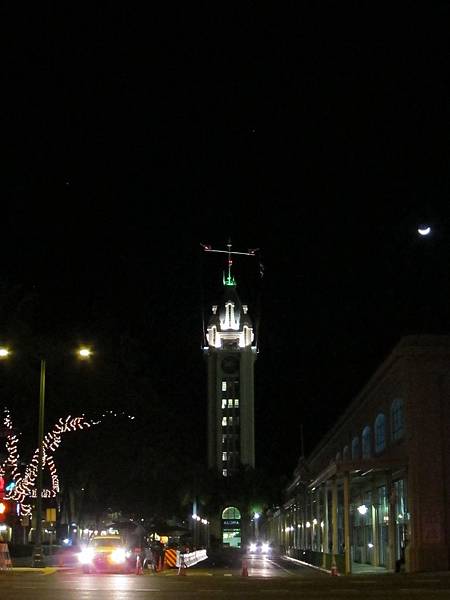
{"x": 366, "y": 442}
{"x": 355, "y": 448}
{"x": 397, "y": 419}
{"x": 385, "y": 504}
{"x": 380, "y": 433}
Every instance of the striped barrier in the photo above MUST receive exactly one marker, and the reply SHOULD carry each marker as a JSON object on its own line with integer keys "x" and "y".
{"x": 5, "y": 559}
{"x": 170, "y": 558}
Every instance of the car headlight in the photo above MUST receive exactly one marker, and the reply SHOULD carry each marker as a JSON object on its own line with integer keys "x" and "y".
{"x": 86, "y": 556}
{"x": 265, "y": 548}
{"x": 252, "y": 547}
{"x": 118, "y": 555}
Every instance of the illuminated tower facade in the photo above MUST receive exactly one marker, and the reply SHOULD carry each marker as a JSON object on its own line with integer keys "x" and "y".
{"x": 230, "y": 353}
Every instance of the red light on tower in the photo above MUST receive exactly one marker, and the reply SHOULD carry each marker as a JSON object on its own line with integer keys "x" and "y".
{"x": 2, "y": 485}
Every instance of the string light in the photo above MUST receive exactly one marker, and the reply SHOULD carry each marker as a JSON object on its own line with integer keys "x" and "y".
{"x": 24, "y": 485}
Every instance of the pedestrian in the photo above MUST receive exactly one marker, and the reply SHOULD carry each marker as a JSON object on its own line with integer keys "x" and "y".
{"x": 158, "y": 553}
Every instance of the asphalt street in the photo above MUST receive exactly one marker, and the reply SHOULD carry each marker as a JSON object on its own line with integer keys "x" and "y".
{"x": 267, "y": 578}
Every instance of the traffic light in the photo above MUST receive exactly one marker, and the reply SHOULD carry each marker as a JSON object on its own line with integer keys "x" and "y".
{"x": 4, "y": 509}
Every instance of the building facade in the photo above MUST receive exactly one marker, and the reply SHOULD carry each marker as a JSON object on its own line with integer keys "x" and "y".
{"x": 375, "y": 490}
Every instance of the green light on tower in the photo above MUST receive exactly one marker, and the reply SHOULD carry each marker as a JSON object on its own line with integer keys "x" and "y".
{"x": 229, "y": 280}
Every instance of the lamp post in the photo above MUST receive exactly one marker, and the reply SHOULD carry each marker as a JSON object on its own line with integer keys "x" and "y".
{"x": 38, "y": 556}
{"x": 256, "y": 517}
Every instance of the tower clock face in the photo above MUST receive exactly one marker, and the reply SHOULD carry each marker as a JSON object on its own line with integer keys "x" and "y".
{"x": 230, "y": 364}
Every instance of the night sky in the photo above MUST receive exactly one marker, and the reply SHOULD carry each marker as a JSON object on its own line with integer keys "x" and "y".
{"x": 317, "y": 132}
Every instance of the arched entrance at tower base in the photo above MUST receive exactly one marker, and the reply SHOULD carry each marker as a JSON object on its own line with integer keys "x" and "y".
{"x": 231, "y": 527}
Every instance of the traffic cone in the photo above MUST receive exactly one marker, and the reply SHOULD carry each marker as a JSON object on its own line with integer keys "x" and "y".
{"x": 244, "y": 568}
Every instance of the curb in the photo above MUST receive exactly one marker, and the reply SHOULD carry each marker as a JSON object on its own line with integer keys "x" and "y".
{"x": 305, "y": 564}
{"x": 40, "y": 570}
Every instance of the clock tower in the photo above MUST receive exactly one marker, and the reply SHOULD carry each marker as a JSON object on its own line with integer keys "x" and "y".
{"x": 230, "y": 352}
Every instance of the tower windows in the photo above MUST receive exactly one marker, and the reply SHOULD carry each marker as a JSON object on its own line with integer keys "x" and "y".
{"x": 224, "y": 386}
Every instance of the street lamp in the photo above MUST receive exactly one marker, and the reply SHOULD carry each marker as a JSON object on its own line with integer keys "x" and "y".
{"x": 38, "y": 557}
{"x": 84, "y": 352}
{"x": 256, "y": 517}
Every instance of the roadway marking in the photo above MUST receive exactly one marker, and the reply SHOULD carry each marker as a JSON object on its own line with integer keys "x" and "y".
{"x": 423, "y": 591}
{"x": 279, "y": 566}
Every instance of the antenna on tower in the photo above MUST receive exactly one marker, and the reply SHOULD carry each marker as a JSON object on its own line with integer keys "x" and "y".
{"x": 229, "y": 280}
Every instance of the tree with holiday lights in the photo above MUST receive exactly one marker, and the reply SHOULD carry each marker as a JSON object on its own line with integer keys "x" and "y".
{"x": 22, "y": 485}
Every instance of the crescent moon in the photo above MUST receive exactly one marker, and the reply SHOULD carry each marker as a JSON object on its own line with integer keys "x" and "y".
{"x": 424, "y": 230}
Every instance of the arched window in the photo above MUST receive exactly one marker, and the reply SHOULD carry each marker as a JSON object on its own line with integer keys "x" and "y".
{"x": 346, "y": 454}
{"x": 231, "y": 512}
{"x": 380, "y": 433}
{"x": 397, "y": 419}
{"x": 355, "y": 448}
{"x": 338, "y": 458}
{"x": 366, "y": 442}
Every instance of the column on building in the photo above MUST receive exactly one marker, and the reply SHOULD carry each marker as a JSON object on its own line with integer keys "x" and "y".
{"x": 325, "y": 544}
